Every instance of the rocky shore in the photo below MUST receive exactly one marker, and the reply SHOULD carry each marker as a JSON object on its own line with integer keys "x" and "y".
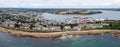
{"x": 59, "y": 34}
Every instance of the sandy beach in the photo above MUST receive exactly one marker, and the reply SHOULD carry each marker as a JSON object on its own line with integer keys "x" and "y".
{"x": 59, "y": 34}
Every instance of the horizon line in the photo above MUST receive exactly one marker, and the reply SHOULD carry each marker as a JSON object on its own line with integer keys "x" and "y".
{"x": 58, "y": 8}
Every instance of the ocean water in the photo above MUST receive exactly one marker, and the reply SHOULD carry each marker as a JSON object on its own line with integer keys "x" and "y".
{"x": 106, "y": 40}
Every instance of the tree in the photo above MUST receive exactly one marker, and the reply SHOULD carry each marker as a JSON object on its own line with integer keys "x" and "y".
{"x": 17, "y": 25}
{"x": 72, "y": 25}
{"x": 32, "y": 23}
{"x": 31, "y": 26}
{"x": 62, "y": 27}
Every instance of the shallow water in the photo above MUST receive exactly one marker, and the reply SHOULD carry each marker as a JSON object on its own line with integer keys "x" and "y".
{"x": 107, "y": 40}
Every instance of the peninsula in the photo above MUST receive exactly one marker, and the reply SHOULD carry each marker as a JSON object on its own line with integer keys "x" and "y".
{"x": 76, "y": 12}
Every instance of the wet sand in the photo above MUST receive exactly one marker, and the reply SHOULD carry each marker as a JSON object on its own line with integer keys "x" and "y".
{"x": 59, "y": 34}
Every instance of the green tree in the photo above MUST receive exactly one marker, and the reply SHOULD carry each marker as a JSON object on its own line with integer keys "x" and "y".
{"x": 17, "y": 25}
{"x": 62, "y": 27}
{"x": 31, "y": 26}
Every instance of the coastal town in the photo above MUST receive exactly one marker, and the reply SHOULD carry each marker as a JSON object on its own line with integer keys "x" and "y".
{"x": 35, "y": 21}
{"x": 59, "y": 23}
{"x": 29, "y": 23}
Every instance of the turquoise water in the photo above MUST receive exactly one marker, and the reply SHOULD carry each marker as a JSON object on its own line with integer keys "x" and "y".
{"x": 107, "y": 40}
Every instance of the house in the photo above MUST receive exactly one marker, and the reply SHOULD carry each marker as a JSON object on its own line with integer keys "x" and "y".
{"x": 38, "y": 27}
{"x": 67, "y": 27}
{"x": 55, "y": 28}
{"x": 78, "y": 28}
{"x": 8, "y": 24}
{"x": 25, "y": 26}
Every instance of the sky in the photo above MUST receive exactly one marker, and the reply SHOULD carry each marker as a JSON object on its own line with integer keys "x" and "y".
{"x": 60, "y": 3}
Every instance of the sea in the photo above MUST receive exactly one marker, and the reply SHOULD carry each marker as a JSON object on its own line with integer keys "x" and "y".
{"x": 106, "y": 40}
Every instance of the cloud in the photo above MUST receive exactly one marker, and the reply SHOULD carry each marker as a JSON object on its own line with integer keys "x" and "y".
{"x": 60, "y": 3}
{"x": 81, "y": 3}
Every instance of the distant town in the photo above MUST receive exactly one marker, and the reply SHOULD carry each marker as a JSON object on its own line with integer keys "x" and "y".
{"x": 75, "y": 12}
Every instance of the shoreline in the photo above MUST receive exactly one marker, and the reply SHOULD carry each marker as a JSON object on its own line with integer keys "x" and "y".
{"x": 16, "y": 33}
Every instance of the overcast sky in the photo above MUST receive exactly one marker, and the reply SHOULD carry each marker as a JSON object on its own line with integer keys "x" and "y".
{"x": 60, "y": 3}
